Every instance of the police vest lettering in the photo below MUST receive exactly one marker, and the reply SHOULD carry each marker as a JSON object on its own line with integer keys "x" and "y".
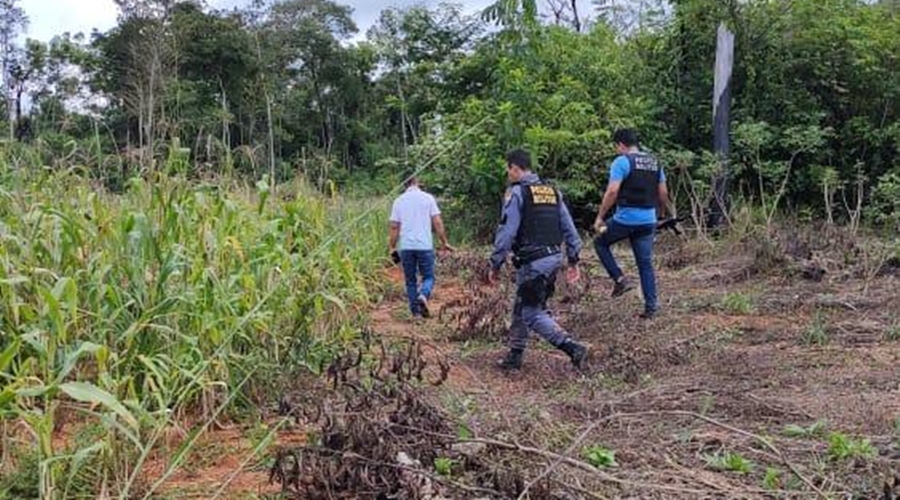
{"x": 540, "y": 225}
{"x": 640, "y": 187}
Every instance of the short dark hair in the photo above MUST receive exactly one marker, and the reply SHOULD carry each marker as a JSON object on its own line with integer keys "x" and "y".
{"x": 519, "y": 158}
{"x": 409, "y": 178}
{"x": 626, "y": 136}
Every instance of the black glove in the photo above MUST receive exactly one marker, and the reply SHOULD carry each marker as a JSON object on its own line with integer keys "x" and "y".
{"x": 395, "y": 256}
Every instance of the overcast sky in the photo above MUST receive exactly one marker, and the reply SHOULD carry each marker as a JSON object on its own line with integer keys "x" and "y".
{"x": 52, "y": 17}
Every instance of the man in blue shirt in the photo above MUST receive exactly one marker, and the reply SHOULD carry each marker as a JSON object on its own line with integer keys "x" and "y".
{"x": 637, "y": 188}
{"x": 534, "y": 223}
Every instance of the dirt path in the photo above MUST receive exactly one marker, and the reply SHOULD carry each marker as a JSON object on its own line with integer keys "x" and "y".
{"x": 756, "y": 355}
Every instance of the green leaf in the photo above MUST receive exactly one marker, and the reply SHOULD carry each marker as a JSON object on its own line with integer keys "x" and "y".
{"x": 444, "y": 466}
{"x": 6, "y": 397}
{"x": 601, "y": 457}
{"x": 772, "y": 479}
{"x": 35, "y": 341}
{"x": 334, "y": 300}
{"x": 74, "y": 356}
{"x": 78, "y": 461}
{"x": 89, "y": 393}
{"x": 32, "y": 392}
{"x": 464, "y": 432}
{"x": 9, "y": 354}
{"x": 66, "y": 291}
{"x": 14, "y": 280}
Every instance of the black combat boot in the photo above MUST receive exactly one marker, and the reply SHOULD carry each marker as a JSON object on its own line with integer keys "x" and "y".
{"x": 621, "y": 287}
{"x": 512, "y": 361}
{"x": 577, "y": 352}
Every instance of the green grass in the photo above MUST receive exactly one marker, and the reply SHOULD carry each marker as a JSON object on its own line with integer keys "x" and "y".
{"x": 892, "y": 333}
{"x": 444, "y": 466}
{"x": 730, "y": 462}
{"x": 815, "y": 430}
{"x": 817, "y": 332}
{"x": 738, "y": 303}
{"x": 135, "y": 307}
{"x": 842, "y": 447}
{"x": 600, "y": 457}
{"x": 772, "y": 479}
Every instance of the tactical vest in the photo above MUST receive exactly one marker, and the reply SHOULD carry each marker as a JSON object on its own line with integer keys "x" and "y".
{"x": 640, "y": 187}
{"x": 540, "y": 224}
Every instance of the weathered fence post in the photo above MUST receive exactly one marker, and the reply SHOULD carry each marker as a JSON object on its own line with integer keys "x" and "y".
{"x": 721, "y": 124}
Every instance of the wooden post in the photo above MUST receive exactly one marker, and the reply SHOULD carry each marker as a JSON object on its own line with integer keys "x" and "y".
{"x": 721, "y": 124}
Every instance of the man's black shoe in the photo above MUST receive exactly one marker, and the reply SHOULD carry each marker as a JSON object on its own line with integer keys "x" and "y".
{"x": 512, "y": 361}
{"x": 648, "y": 314}
{"x": 577, "y": 352}
{"x": 622, "y": 287}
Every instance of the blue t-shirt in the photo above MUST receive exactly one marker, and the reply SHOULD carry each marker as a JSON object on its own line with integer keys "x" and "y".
{"x": 631, "y": 216}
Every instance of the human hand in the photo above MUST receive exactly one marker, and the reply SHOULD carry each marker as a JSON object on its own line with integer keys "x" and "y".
{"x": 573, "y": 274}
{"x": 493, "y": 276}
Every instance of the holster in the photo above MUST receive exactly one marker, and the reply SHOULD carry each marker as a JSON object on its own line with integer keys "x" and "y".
{"x": 536, "y": 291}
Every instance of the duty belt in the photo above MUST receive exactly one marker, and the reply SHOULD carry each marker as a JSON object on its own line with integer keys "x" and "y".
{"x": 527, "y": 257}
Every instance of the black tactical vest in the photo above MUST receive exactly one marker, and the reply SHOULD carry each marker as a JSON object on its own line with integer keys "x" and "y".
{"x": 640, "y": 188}
{"x": 540, "y": 225}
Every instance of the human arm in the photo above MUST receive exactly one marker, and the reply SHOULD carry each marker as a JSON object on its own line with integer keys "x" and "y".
{"x": 573, "y": 242}
{"x": 617, "y": 173}
{"x": 394, "y": 236}
{"x": 570, "y": 234}
{"x": 506, "y": 232}
{"x": 394, "y": 230}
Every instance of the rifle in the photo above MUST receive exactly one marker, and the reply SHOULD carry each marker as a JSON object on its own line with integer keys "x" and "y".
{"x": 672, "y": 224}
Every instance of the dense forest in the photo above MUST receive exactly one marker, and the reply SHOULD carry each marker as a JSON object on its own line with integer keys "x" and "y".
{"x": 291, "y": 86}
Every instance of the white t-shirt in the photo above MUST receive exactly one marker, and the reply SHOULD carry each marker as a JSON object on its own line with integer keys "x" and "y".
{"x": 414, "y": 210}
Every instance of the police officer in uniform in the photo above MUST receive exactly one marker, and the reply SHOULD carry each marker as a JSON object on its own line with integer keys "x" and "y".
{"x": 535, "y": 222}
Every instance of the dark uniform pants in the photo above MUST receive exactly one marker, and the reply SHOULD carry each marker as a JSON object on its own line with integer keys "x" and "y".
{"x": 530, "y": 308}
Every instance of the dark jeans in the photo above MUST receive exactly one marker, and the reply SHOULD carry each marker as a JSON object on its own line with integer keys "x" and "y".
{"x": 421, "y": 261}
{"x": 641, "y": 238}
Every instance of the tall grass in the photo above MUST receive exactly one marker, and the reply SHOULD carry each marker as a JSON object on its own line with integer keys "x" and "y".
{"x": 132, "y": 312}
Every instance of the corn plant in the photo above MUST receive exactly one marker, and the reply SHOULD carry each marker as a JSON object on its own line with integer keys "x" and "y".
{"x": 169, "y": 300}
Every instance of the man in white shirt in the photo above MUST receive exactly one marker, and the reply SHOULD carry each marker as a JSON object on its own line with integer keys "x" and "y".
{"x": 413, "y": 216}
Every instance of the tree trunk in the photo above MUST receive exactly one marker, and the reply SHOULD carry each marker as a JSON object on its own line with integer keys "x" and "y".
{"x": 403, "y": 119}
{"x": 576, "y": 21}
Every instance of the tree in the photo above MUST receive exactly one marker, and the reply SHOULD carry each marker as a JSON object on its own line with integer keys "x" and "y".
{"x": 630, "y": 16}
{"x": 13, "y": 21}
{"x": 26, "y": 71}
{"x": 216, "y": 63}
{"x": 565, "y": 12}
{"x": 517, "y": 16}
{"x": 137, "y": 60}
{"x": 306, "y": 34}
{"x": 418, "y": 48}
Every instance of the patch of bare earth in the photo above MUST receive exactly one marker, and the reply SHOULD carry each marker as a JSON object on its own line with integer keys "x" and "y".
{"x": 771, "y": 369}
{"x": 710, "y": 376}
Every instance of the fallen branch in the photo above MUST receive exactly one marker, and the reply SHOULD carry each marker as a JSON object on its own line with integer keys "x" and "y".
{"x": 578, "y": 464}
{"x": 578, "y": 441}
{"x": 765, "y": 442}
